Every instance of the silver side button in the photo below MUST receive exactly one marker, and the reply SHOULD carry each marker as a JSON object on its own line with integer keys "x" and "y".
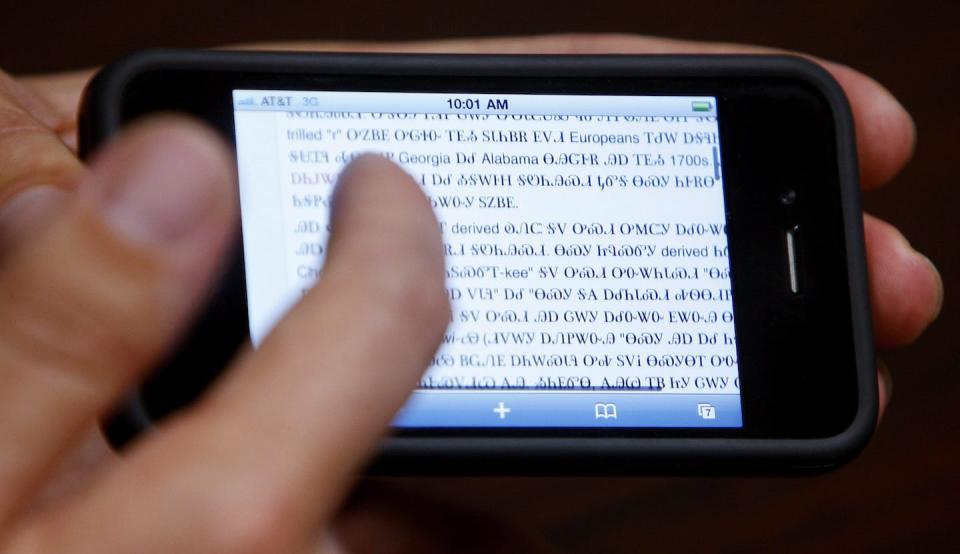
{"x": 792, "y": 260}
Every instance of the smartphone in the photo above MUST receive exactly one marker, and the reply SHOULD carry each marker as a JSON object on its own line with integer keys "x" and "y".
{"x": 655, "y": 263}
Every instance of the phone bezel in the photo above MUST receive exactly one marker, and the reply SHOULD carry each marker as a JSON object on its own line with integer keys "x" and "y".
{"x": 832, "y": 313}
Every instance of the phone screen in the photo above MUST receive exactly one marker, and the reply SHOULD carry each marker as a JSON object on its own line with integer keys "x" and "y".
{"x": 585, "y": 240}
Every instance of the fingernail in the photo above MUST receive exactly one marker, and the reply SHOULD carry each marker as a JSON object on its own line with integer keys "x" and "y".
{"x": 886, "y": 377}
{"x": 938, "y": 284}
{"x": 910, "y": 252}
{"x": 165, "y": 184}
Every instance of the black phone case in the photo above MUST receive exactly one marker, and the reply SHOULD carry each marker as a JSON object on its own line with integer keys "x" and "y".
{"x": 100, "y": 117}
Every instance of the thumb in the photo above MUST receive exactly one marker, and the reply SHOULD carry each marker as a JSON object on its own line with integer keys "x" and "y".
{"x": 92, "y": 299}
{"x": 267, "y": 455}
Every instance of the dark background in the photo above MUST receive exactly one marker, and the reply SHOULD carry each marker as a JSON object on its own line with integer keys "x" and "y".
{"x": 902, "y": 493}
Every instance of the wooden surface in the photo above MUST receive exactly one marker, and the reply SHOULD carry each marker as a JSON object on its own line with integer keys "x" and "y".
{"x": 902, "y": 493}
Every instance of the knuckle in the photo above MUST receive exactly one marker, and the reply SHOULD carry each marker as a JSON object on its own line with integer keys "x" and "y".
{"x": 30, "y": 153}
{"x": 79, "y": 342}
{"x": 91, "y": 317}
{"x": 13, "y": 120}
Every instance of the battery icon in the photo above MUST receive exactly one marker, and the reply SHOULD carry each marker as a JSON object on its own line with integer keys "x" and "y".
{"x": 702, "y": 106}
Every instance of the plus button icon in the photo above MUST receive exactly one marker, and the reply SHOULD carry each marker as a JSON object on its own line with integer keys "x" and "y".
{"x": 502, "y": 411}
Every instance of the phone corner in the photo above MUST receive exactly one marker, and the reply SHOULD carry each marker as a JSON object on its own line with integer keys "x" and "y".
{"x": 837, "y": 451}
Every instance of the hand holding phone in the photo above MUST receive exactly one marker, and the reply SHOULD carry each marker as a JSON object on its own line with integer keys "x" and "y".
{"x": 882, "y": 239}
